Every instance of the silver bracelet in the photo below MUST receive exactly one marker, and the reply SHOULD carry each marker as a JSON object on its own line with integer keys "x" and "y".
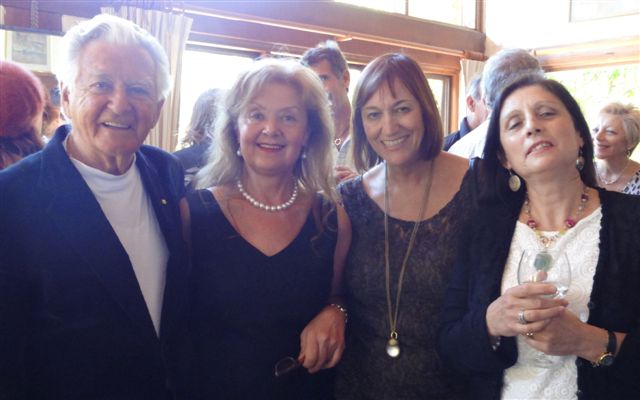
{"x": 496, "y": 344}
{"x": 342, "y": 310}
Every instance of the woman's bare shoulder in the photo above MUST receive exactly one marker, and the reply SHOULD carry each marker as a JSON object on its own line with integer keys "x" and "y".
{"x": 452, "y": 168}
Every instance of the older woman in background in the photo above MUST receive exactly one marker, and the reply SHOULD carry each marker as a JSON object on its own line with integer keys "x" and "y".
{"x": 267, "y": 235}
{"x": 406, "y": 212}
{"x": 538, "y": 192}
{"x": 615, "y": 137}
{"x": 22, "y": 102}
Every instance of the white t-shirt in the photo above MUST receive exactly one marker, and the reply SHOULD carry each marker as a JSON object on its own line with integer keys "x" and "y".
{"x": 129, "y": 211}
{"x": 472, "y": 144}
{"x": 581, "y": 244}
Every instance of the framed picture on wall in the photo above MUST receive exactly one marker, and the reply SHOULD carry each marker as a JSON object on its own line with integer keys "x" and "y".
{"x": 29, "y": 49}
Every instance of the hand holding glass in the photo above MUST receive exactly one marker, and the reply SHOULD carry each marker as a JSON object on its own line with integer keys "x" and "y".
{"x": 546, "y": 267}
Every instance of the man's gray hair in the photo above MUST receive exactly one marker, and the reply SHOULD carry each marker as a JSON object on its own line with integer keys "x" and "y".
{"x": 474, "y": 89}
{"x": 506, "y": 67}
{"x": 114, "y": 30}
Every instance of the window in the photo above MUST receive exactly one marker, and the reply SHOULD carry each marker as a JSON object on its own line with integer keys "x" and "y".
{"x": 202, "y": 71}
{"x": 441, "y": 87}
{"x": 455, "y": 12}
{"x": 593, "y": 88}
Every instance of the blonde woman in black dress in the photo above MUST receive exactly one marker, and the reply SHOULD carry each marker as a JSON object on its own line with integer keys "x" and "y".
{"x": 266, "y": 236}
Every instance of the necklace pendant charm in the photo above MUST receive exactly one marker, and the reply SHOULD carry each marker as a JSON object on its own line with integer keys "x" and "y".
{"x": 393, "y": 348}
{"x": 543, "y": 261}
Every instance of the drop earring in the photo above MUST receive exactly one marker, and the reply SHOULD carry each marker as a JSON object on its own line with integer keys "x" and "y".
{"x": 238, "y": 153}
{"x": 514, "y": 182}
{"x": 580, "y": 160}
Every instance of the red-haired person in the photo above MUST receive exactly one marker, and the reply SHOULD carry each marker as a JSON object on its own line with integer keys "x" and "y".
{"x": 21, "y": 105}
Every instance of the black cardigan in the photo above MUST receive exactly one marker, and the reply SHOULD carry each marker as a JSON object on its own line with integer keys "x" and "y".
{"x": 614, "y": 304}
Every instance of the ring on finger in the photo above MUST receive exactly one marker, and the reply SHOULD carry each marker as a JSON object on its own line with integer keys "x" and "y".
{"x": 521, "y": 318}
{"x": 529, "y": 335}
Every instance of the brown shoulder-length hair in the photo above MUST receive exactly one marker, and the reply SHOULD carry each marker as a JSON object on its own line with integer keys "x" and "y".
{"x": 385, "y": 70}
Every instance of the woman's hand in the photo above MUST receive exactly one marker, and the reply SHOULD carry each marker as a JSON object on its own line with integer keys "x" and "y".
{"x": 343, "y": 173}
{"x": 565, "y": 335}
{"x": 503, "y": 314}
{"x": 322, "y": 340}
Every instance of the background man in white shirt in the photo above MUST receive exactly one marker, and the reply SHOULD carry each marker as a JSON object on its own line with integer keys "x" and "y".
{"x": 500, "y": 70}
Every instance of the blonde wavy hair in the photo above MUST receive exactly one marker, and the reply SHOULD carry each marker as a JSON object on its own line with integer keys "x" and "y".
{"x": 315, "y": 171}
{"x": 630, "y": 117}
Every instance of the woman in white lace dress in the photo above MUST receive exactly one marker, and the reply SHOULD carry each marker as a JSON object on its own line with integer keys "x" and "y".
{"x": 614, "y": 138}
{"x": 538, "y": 191}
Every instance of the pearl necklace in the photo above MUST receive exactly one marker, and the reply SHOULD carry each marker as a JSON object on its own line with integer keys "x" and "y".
{"x": 613, "y": 179}
{"x": 267, "y": 207}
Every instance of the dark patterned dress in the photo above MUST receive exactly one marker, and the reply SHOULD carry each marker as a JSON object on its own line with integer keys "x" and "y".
{"x": 248, "y": 309}
{"x": 366, "y": 371}
{"x": 633, "y": 186}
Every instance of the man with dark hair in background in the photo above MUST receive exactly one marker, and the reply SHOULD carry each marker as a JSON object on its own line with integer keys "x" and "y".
{"x": 329, "y": 63}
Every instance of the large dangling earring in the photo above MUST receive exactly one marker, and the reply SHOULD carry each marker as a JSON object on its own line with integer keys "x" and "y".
{"x": 580, "y": 160}
{"x": 238, "y": 153}
{"x": 514, "y": 182}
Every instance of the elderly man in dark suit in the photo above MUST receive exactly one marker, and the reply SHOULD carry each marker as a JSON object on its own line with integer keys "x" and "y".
{"x": 92, "y": 262}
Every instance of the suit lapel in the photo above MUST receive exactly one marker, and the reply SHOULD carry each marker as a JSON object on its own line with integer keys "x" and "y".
{"x": 166, "y": 210}
{"x": 85, "y": 229}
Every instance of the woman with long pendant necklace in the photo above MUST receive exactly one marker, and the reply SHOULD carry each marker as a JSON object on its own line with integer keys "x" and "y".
{"x": 406, "y": 214}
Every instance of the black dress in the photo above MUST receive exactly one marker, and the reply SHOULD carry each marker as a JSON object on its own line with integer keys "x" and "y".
{"x": 366, "y": 371}
{"x": 248, "y": 309}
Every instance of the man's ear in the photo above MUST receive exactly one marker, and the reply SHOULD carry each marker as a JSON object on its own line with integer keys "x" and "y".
{"x": 346, "y": 79}
{"x": 471, "y": 103}
{"x": 65, "y": 102}
{"x": 159, "y": 108}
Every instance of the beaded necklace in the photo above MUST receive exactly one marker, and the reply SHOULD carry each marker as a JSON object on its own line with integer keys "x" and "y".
{"x": 569, "y": 223}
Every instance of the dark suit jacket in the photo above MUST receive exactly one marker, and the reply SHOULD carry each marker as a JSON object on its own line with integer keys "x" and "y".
{"x": 453, "y": 137}
{"x": 73, "y": 321}
{"x": 463, "y": 341}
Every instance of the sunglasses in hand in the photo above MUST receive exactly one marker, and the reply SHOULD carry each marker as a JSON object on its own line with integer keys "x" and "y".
{"x": 286, "y": 365}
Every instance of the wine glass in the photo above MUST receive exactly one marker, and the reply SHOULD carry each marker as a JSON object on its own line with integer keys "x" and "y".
{"x": 545, "y": 266}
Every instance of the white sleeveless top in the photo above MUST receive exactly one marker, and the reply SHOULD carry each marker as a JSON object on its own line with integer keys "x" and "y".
{"x": 524, "y": 380}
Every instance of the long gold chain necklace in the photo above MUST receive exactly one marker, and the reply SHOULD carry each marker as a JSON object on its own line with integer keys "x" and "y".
{"x": 393, "y": 345}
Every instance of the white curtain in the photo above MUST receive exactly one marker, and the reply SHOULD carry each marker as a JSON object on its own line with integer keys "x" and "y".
{"x": 469, "y": 69}
{"x": 172, "y": 31}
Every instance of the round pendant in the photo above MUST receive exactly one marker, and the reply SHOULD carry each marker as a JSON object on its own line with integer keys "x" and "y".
{"x": 393, "y": 348}
{"x": 543, "y": 261}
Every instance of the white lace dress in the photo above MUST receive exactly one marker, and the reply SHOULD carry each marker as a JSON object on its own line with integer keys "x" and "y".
{"x": 524, "y": 380}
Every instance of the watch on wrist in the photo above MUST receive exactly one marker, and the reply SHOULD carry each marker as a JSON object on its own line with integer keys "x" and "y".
{"x": 606, "y": 359}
